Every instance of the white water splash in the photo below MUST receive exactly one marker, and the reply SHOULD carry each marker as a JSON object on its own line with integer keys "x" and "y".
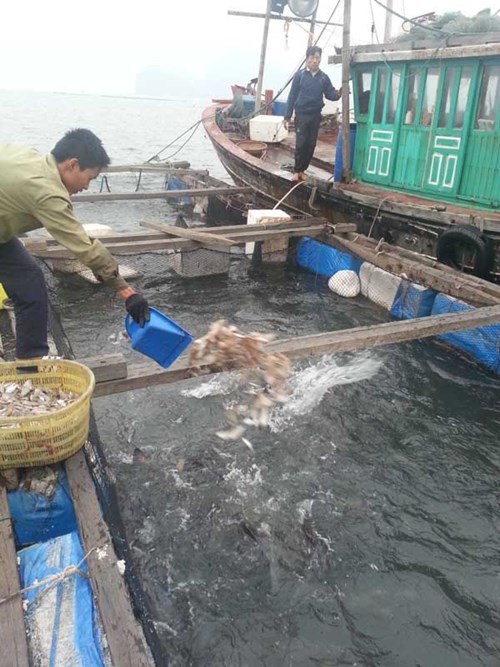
{"x": 220, "y": 385}
{"x": 244, "y": 480}
{"x": 311, "y": 384}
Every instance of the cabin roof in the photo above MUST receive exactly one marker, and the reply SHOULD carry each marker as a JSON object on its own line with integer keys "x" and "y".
{"x": 455, "y": 46}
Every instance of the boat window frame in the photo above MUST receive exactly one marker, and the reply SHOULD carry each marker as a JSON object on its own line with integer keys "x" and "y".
{"x": 496, "y": 122}
{"x": 438, "y": 67}
{"x": 421, "y": 73}
{"x": 390, "y": 71}
{"x": 362, "y": 116}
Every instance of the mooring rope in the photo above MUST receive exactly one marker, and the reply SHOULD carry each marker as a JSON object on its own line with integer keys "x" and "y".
{"x": 53, "y": 579}
{"x": 288, "y": 193}
{"x": 157, "y": 156}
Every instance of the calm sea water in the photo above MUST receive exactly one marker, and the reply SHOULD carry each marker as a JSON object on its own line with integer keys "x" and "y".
{"x": 363, "y": 528}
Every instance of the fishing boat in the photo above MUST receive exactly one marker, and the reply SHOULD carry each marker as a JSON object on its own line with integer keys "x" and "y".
{"x": 424, "y": 148}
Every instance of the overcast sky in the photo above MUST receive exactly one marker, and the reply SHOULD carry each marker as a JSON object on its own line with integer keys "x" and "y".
{"x": 99, "y": 46}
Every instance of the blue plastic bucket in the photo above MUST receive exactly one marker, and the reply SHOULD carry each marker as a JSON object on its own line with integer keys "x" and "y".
{"x": 279, "y": 108}
{"x": 248, "y": 105}
{"x": 337, "y": 168}
{"x": 161, "y": 338}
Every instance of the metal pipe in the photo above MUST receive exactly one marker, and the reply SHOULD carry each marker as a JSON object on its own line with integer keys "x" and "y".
{"x": 346, "y": 48}
{"x": 280, "y": 18}
{"x": 258, "y": 92}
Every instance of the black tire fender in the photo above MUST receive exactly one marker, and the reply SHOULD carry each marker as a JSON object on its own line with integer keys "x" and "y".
{"x": 470, "y": 236}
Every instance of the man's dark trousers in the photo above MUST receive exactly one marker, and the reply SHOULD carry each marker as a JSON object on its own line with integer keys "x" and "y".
{"x": 25, "y": 285}
{"x": 306, "y": 135}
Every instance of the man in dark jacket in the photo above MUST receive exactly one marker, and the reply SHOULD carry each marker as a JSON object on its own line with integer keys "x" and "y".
{"x": 306, "y": 99}
{"x": 35, "y": 191}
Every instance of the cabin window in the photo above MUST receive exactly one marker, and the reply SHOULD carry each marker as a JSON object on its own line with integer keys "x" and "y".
{"x": 446, "y": 95}
{"x": 430, "y": 94}
{"x": 393, "y": 96}
{"x": 364, "y": 86}
{"x": 462, "y": 97}
{"x": 412, "y": 97}
{"x": 489, "y": 98}
{"x": 383, "y": 76}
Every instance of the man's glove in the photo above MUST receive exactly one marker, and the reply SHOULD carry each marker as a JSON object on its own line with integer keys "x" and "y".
{"x": 138, "y": 309}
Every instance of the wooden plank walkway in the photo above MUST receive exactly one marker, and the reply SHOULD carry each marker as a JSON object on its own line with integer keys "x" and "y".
{"x": 332, "y": 342}
{"x": 124, "y": 635}
{"x": 14, "y": 641}
{"x": 243, "y": 235}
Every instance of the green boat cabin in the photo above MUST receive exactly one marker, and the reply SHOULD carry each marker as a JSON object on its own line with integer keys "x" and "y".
{"x": 428, "y": 121}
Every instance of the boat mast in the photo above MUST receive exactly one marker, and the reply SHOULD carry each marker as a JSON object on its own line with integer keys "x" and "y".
{"x": 388, "y": 22}
{"x": 258, "y": 92}
{"x": 346, "y": 56}
{"x": 310, "y": 41}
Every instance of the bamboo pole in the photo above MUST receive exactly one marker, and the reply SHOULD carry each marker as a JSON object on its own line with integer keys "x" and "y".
{"x": 346, "y": 48}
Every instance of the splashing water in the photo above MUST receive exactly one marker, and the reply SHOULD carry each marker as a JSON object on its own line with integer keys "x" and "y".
{"x": 220, "y": 385}
{"x": 309, "y": 385}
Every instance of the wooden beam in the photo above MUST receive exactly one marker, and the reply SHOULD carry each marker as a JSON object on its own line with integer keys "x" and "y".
{"x": 129, "y": 237}
{"x": 162, "y": 194}
{"x": 456, "y": 284}
{"x": 14, "y": 642}
{"x": 387, "y": 248}
{"x": 439, "y": 52}
{"x": 251, "y": 233}
{"x": 107, "y": 367}
{"x": 153, "y": 169}
{"x": 205, "y": 238}
{"x": 441, "y": 214}
{"x": 332, "y": 342}
{"x": 124, "y": 635}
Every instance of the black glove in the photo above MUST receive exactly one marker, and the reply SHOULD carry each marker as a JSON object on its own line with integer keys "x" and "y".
{"x": 138, "y": 309}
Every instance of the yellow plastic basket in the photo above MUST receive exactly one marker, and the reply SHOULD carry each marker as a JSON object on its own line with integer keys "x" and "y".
{"x": 36, "y": 440}
{"x": 3, "y": 296}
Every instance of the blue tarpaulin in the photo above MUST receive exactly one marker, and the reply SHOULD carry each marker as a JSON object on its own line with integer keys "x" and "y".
{"x": 322, "y": 259}
{"x": 37, "y": 518}
{"x": 483, "y": 343}
{"x": 61, "y": 619}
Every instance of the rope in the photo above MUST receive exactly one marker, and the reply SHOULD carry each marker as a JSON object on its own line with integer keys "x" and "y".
{"x": 288, "y": 193}
{"x": 376, "y": 214}
{"x": 157, "y": 156}
{"x": 52, "y": 579}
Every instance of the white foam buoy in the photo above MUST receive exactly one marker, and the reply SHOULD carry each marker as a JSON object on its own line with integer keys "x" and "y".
{"x": 345, "y": 283}
{"x": 378, "y": 285}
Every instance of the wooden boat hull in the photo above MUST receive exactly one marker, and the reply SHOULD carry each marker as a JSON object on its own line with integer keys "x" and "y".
{"x": 402, "y": 220}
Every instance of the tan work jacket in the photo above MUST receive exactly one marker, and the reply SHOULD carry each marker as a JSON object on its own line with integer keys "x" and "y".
{"x": 32, "y": 195}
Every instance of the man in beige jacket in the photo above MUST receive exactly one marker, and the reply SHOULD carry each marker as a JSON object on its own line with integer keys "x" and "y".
{"x": 35, "y": 192}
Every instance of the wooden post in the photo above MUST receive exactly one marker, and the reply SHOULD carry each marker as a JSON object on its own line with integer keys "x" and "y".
{"x": 388, "y": 22}
{"x": 258, "y": 93}
{"x": 346, "y": 55}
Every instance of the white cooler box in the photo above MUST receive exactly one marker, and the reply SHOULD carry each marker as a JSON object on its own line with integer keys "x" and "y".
{"x": 268, "y": 128}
